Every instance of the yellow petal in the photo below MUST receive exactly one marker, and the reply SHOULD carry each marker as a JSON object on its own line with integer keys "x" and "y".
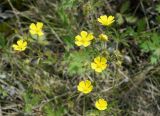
{"x": 23, "y": 48}
{"x": 84, "y": 33}
{"x": 90, "y": 36}
{"x": 98, "y": 70}
{"x": 79, "y": 88}
{"x": 20, "y": 42}
{"x": 32, "y": 26}
{"x": 82, "y": 84}
{"x": 87, "y": 43}
{"x": 32, "y": 32}
{"x": 97, "y": 59}
{"x": 40, "y": 33}
{"x": 103, "y": 66}
{"x": 90, "y": 88}
{"x": 104, "y": 18}
{"x": 93, "y": 65}
{"x": 103, "y": 60}
{"x": 103, "y": 37}
{"x": 78, "y": 38}
{"x": 110, "y": 18}
{"x": 39, "y": 25}
{"x": 99, "y": 20}
{"x": 97, "y": 104}
{"x": 87, "y": 83}
{"x": 15, "y": 47}
{"x": 103, "y": 102}
{"x": 78, "y": 43}
{"x": 24, "y": 43}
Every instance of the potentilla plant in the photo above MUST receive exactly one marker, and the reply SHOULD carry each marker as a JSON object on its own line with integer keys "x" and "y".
{"x": 101, "y": 57}
{"x": 101, "y": 61}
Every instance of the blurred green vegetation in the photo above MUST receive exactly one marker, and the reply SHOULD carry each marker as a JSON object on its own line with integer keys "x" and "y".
{"x": 42, "y": 80}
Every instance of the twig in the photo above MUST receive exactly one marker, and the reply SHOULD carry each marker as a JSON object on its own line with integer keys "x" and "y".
{"x": 15, "y": 13}
{"x": 0, "y": 111}
{"x": 143, "y": 9}
{"x": 136, "y": 80}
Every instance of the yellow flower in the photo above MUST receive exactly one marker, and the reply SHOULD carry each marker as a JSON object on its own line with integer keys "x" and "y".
{"x": 106, "y": 21}
{"x": 99, "y": 64}
{"x": 84, "y": 39}
{"x": 85, "y": 86}
{"x": 103, "y": 37}
{"x": 36, "y": 29}
{"x": 20, "y": 46}
{"x": 101, "y": 104}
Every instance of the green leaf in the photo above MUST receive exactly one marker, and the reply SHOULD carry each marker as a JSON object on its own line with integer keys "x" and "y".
{"x": 3, "y": 92}
{"x": 152, "y": 45}
{"x": 76, "y": 62}
{"x": 141, "y": 25}
{"x": 120, "y": 20}
{"x": 154, "y": 60}
{"x": 157, "y": 52}
{"x": 158, "y": 19}
{"x": 69, "y": 41}
{"x": 2, "y": 41}
{"x": 92, "y": 113}
{"x": 31, "y": 100}
{"x": 50, "y": 111}
{"x": 125, "y": 6}
{"x": 131, "y": 19}
{"x": 158, "y": 8}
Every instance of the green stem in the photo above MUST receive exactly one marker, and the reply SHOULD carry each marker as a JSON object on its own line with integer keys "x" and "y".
{"x": 84, "y": 106}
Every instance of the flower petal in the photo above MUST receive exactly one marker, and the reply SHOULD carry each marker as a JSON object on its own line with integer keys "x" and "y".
{"x": 90, "y": 36}
{"x": 32, "y": 32}
{"x": 103, "y": 66}
{"x": 78, "y": 38}
{"x": 93, "y": 65}
{"x": 24, "y": 43}
{"x": 82, "y": 84}
{"x": 84, "y": 33}
{"x": 39, "y": 25}
{"x": 20, "y": 42}
{"x": 98, "y": 70}
{"x": 86, "y": 43}
{"x": 103, "y": 60}
{"x": 78, "y": 43}
{"x": 32, "y": 26}
{"x": 97, "y": 59}
{"x": 104, "y": 18}
{"x": 79, "y": 88}
{"x": 100, "y": 20}
{"x": 87, "y": 83}
{"x": 15, "y": 47}
{"x": 111, "y": 18}
{"x": 40, "y": 33}
{"x": 103, "y": 37}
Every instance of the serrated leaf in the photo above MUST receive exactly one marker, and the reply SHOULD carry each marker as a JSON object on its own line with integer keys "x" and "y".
{"x": 152, "y": 45}
{"x": 120, "y": 19}
{"x": 76, "y": 61}
{"x": 154, "y": 59}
